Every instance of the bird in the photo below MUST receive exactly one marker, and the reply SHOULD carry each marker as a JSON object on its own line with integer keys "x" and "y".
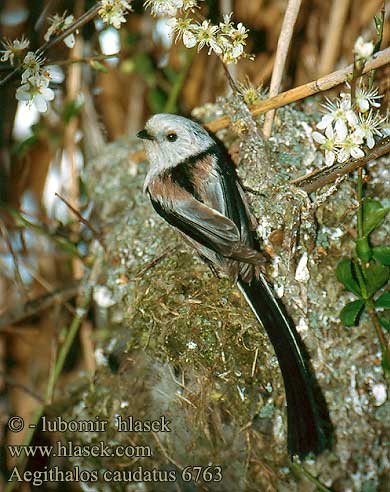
{"x": 193, "y": 185}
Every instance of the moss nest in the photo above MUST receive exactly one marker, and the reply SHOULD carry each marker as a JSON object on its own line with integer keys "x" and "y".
{"x": 179, "y": 342}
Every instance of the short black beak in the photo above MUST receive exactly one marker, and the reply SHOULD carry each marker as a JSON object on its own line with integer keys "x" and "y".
{"x": 144, "y": 135}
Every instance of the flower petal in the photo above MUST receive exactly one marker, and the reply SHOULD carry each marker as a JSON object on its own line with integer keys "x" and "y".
{"x": 329, "y": 157}
{"x": 363, "y": 105}
{"x": 40, "y": 103}
{"x": 343, "y": 155}
{"x": 326, "y": 120}
{"x": 70, "y": 41}
{"x": 352, "y": 118}
{"x": 341, "y": 129}
{"x": 357, "y": 152}
{"x": 370, "y": 140}
{"x": 47, "y": 93}
{"x": 318, "y": 137}
{"x": 189, "y": 39}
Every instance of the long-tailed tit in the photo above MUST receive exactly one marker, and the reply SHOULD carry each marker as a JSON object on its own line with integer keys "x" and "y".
{"x": 193, "y": 185}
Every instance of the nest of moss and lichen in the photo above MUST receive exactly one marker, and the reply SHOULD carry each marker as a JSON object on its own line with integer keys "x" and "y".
{"x": 181, "y": 343}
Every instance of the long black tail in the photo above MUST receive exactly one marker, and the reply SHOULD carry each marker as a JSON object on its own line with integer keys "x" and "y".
{"x": 308, "y": 426}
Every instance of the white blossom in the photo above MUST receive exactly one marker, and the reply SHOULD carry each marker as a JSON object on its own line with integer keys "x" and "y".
{"x": 347, "y": 132}
{"x": 113, "y": 12}
{"x": 164, "y": 7}
{"x": 31, "y": 65}
{"x": 184, "y": 29}
{"x": 59, "y": 23}
{"x": 363, "y": 50}
{"x": 13, "y": 48}
{"x": 225, "y": 39}
{"x": 350, "y": 147}
{"x": 190, "y": 4}
{"x": 366, "y": 98}
{"x": 369, "y": 126}
{"x": 340, "y": 114}
{"x": 206, "y": 35}
{"x": 36, "y": 91}
{"x": 328, "y": 143}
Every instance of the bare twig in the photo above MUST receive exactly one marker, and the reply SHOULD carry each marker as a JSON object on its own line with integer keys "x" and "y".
{"x": 86, "y": 59}
{"x": 285, "y": 36}
{"x": 322, "y": 84}
{"x": 81, "y": 21}
{"x": 20, "y": 312}
{"x": 153, "y": 263}
{"x": 84, "y": 221}
{"x": 321, "y": 177}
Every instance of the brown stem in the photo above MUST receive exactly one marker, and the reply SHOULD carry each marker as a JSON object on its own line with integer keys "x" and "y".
{"x": 322, "y": 84}
{"x": 321, "y": 177}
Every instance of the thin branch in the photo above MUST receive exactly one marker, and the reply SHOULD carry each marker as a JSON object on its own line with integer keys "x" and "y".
{"x": 81, "y": 21}
{"x": 77, "y": 24}
{"x": 20, "y": 312}
{"x": 84, "y": 221}
{"x": 153, "y": 263}
{"x": 321, "y": 177}
{"x": 284, "y": 41}
{"x": 322, "y": 84}
{"x": 86, "y": 59}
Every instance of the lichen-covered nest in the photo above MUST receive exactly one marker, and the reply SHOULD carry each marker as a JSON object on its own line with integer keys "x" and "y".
{"x": 176, "y": 341}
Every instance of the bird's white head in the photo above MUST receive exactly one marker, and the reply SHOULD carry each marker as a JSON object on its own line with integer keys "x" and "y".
{"x": 169, "y": 139}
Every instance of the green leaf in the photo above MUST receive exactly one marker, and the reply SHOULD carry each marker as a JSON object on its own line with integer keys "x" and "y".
{"x": 376, "y": 276}
{"x": 344, "y": 275}
{"x": 350, "y": 313}
{"x": 373, "y": 215}
{"x": 385, "y": 322}
{"x": 382, "y": 254}
{"x": 383, "y": 301}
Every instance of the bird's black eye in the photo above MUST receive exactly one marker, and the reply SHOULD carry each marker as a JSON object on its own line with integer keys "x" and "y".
{"x": 171, "y": 137}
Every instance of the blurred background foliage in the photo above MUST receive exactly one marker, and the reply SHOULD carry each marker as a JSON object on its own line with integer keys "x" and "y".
{"x": 106, "y": 87}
